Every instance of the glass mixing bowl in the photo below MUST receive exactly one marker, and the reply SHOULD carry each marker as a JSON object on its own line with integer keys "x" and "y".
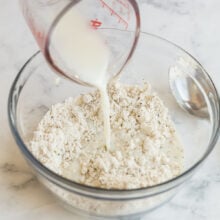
{"x": 36, "y": 88}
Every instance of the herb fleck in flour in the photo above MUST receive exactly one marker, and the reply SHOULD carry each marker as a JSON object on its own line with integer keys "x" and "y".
{"x": 145, "y": 149}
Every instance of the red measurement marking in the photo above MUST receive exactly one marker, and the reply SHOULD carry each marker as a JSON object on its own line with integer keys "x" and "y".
{"x": 123, "y": 3}
{"x": 112, "y": 12}
{"x": 95, "y": 23}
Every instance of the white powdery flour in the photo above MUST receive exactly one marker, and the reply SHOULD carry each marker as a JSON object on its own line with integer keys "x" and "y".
{"x": 145, "y": 149}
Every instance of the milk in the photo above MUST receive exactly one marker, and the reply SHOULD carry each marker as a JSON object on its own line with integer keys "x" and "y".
{"x": 85, "y": 55}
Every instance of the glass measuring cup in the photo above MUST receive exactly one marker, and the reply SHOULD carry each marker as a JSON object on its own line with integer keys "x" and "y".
{"x": 104, "y": 16}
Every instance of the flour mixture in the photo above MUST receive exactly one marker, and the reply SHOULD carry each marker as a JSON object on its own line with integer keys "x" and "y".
{"x": 145, "y": 149}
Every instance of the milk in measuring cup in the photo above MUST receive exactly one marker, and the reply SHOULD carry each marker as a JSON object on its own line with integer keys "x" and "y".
{"x": 83, "y": 51}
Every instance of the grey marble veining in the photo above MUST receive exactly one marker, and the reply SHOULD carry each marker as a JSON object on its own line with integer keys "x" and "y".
{"x": 195, "y": 26}
{"x": 173, "y": 6}
{"x": 17, "y": 179}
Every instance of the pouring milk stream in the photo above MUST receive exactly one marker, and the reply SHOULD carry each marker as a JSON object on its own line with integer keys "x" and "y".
{"x": 85, "y": 53}
{"x": 64, "y": 35}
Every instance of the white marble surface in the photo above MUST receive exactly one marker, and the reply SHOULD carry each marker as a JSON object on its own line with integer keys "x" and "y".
{"x": 195, "y": 26}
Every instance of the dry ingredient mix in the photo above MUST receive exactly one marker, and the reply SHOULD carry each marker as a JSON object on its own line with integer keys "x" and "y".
{"x": 145, "y": 149}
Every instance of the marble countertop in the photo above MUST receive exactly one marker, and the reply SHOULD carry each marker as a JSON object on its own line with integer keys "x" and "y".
{"x": 194, "y": 25}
